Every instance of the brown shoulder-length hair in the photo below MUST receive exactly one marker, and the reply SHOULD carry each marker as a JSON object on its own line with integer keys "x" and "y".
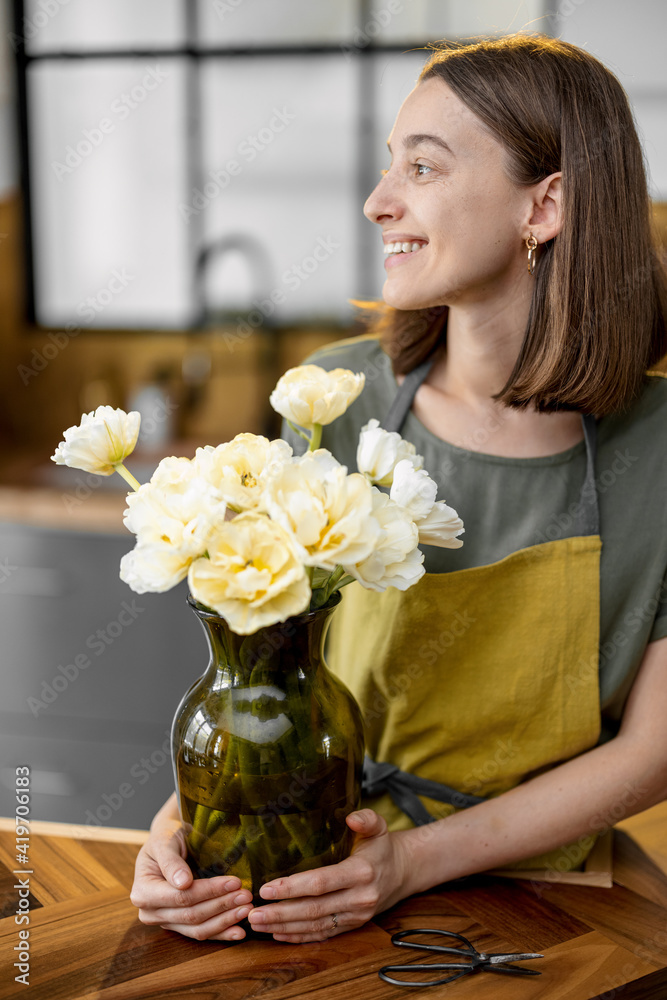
{"x": 597, "y": 317}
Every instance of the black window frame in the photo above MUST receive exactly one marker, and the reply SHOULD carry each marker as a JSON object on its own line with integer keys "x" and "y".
{"x": 365, "y": 125}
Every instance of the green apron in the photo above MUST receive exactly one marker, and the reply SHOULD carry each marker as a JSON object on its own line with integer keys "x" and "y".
{"x": 473, "y": 681}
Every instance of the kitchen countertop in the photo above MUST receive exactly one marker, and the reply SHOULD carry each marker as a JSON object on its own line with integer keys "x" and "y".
{"x": 49, "y": 508}
{"x": 86, "y": 942}
{"x": 36, "y": 491}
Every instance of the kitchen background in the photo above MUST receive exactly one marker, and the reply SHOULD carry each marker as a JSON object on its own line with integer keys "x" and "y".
{"x": 181, "y": 184}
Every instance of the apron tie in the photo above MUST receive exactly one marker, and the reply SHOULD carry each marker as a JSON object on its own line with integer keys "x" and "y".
{"x": 405, "y": 788}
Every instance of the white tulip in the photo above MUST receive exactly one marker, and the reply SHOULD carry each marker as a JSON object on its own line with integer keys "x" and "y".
{"x": 415, "y": 492}
{"x": 396, "y": 560}
{"x": 100, "y": 442}
{"x": 310, "y": 395}
{"x": 239, "y": 468}
{"x": 252, "y": 576}
{"x": 173, "y": 517}
{"x": 154, "y": 567}
{"x": 379, "y": 451}
{"x": 327, "y": 511}
{"x": 177, "y": 506}
{"x": 440, "y": 527}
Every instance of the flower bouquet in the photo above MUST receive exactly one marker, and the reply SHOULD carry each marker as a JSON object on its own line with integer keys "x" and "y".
{"x": 266, "y": 540}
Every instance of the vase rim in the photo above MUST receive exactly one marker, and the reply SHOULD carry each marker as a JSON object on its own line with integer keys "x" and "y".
{"x": 204, "y": 612}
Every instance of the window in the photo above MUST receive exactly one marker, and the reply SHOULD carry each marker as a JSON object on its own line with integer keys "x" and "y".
{"x": 184, "y": 159}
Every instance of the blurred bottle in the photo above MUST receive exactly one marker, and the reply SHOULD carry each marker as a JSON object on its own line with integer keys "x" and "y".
{"x": 157, "y": 408}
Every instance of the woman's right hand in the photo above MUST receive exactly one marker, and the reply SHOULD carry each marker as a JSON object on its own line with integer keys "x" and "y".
{"x": 166, "y": 895}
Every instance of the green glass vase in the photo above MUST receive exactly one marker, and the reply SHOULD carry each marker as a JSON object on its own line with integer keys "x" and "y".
{"x": 268, "y": 750}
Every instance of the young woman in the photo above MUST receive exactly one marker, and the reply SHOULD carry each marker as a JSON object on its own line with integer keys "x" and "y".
{"x": 525, "y": 677}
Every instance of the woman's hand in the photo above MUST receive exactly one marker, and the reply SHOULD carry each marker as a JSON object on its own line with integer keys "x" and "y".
{"x": 370, "y": 880}
{"x": 207, "y": 909}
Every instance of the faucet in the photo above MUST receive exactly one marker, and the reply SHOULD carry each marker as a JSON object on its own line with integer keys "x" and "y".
{"x": 197, "y": 365}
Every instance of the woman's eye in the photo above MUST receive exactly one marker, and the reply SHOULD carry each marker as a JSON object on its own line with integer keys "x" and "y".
{"x": 421, "y": 169}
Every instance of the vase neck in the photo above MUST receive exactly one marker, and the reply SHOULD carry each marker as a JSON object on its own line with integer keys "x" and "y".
{"x": 295, "y": 644}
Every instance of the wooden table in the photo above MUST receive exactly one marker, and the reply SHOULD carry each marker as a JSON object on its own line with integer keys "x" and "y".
{"x": 87, "y": 944}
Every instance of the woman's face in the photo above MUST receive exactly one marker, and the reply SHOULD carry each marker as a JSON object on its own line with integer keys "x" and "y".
{"x": 448, "y": 197}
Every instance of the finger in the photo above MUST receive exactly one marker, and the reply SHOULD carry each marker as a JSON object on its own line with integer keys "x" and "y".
{"x": 168, "y": 854}
{"x": 318, "y": 882}
{"x": 174, "y": 872}
{"x": 283, "y": 917}
{"x": 322, "y": 926}
{"x": 152, "y": 892}
{"x": 198, "y": 913}
{"x": 304, "y": 938}
{"x": 367, "y": 823}
{"x": 220, "y": 928}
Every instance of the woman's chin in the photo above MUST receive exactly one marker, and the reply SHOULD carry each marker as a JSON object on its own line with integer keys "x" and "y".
{"x": 406, "y": 299}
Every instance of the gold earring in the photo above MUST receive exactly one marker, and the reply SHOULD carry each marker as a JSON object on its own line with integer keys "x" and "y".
{"x": 531, "y": 243}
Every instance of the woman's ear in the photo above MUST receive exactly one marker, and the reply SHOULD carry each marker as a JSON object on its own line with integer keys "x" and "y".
{"x": 546, "y": 219}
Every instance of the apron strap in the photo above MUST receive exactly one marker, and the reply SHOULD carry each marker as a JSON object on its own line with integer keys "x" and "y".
{"x": 402, "y": 401}
{"x": 588, "y": 520}
{"x": 404, "y": 789}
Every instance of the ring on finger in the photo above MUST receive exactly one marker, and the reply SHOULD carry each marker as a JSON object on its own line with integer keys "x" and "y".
{"x": 334, "y": 920}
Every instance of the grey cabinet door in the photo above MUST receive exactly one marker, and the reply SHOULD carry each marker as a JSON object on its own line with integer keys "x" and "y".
{"x": 91, "y": 677}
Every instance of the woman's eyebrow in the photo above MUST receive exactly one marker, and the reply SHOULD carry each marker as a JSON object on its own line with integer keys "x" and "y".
{"x": 420, "y": 138}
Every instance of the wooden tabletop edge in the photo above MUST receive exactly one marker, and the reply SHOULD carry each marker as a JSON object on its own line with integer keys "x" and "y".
{"x": 45, "y": 828}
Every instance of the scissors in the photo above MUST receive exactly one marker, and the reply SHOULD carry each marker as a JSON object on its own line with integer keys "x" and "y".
{"x": 475, "y": 961}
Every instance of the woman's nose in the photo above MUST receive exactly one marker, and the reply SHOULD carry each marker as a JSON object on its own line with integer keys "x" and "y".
{"x": 382, "y": 203}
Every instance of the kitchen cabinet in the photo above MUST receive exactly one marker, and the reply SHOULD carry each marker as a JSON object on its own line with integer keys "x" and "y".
{"x": 92, "y": 674}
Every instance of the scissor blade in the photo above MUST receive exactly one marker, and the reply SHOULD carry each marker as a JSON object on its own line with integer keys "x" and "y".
{"x": 510, "y": 970}
{"x": 500, "y": 959}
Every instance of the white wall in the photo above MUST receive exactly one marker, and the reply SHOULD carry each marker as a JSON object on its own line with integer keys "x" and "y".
{"x": 630, "y": 39}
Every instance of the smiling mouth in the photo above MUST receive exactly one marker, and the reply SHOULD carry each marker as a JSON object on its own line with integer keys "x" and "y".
{"x": 394, "y": 248}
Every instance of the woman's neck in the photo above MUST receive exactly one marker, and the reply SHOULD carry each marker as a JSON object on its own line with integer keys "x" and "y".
{"x": 483, "y": 344}
{"x": 456, "y": 401}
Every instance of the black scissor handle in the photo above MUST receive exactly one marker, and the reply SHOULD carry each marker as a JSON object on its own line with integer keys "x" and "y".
{"x": 386, "y": 969}
{"x": 399, "y": 939}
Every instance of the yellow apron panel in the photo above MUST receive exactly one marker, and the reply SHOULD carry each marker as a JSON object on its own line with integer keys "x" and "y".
{"x": 479, "y": 678}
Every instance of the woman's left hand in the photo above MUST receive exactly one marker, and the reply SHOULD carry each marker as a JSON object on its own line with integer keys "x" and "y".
{"x": 369, "y": 881}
